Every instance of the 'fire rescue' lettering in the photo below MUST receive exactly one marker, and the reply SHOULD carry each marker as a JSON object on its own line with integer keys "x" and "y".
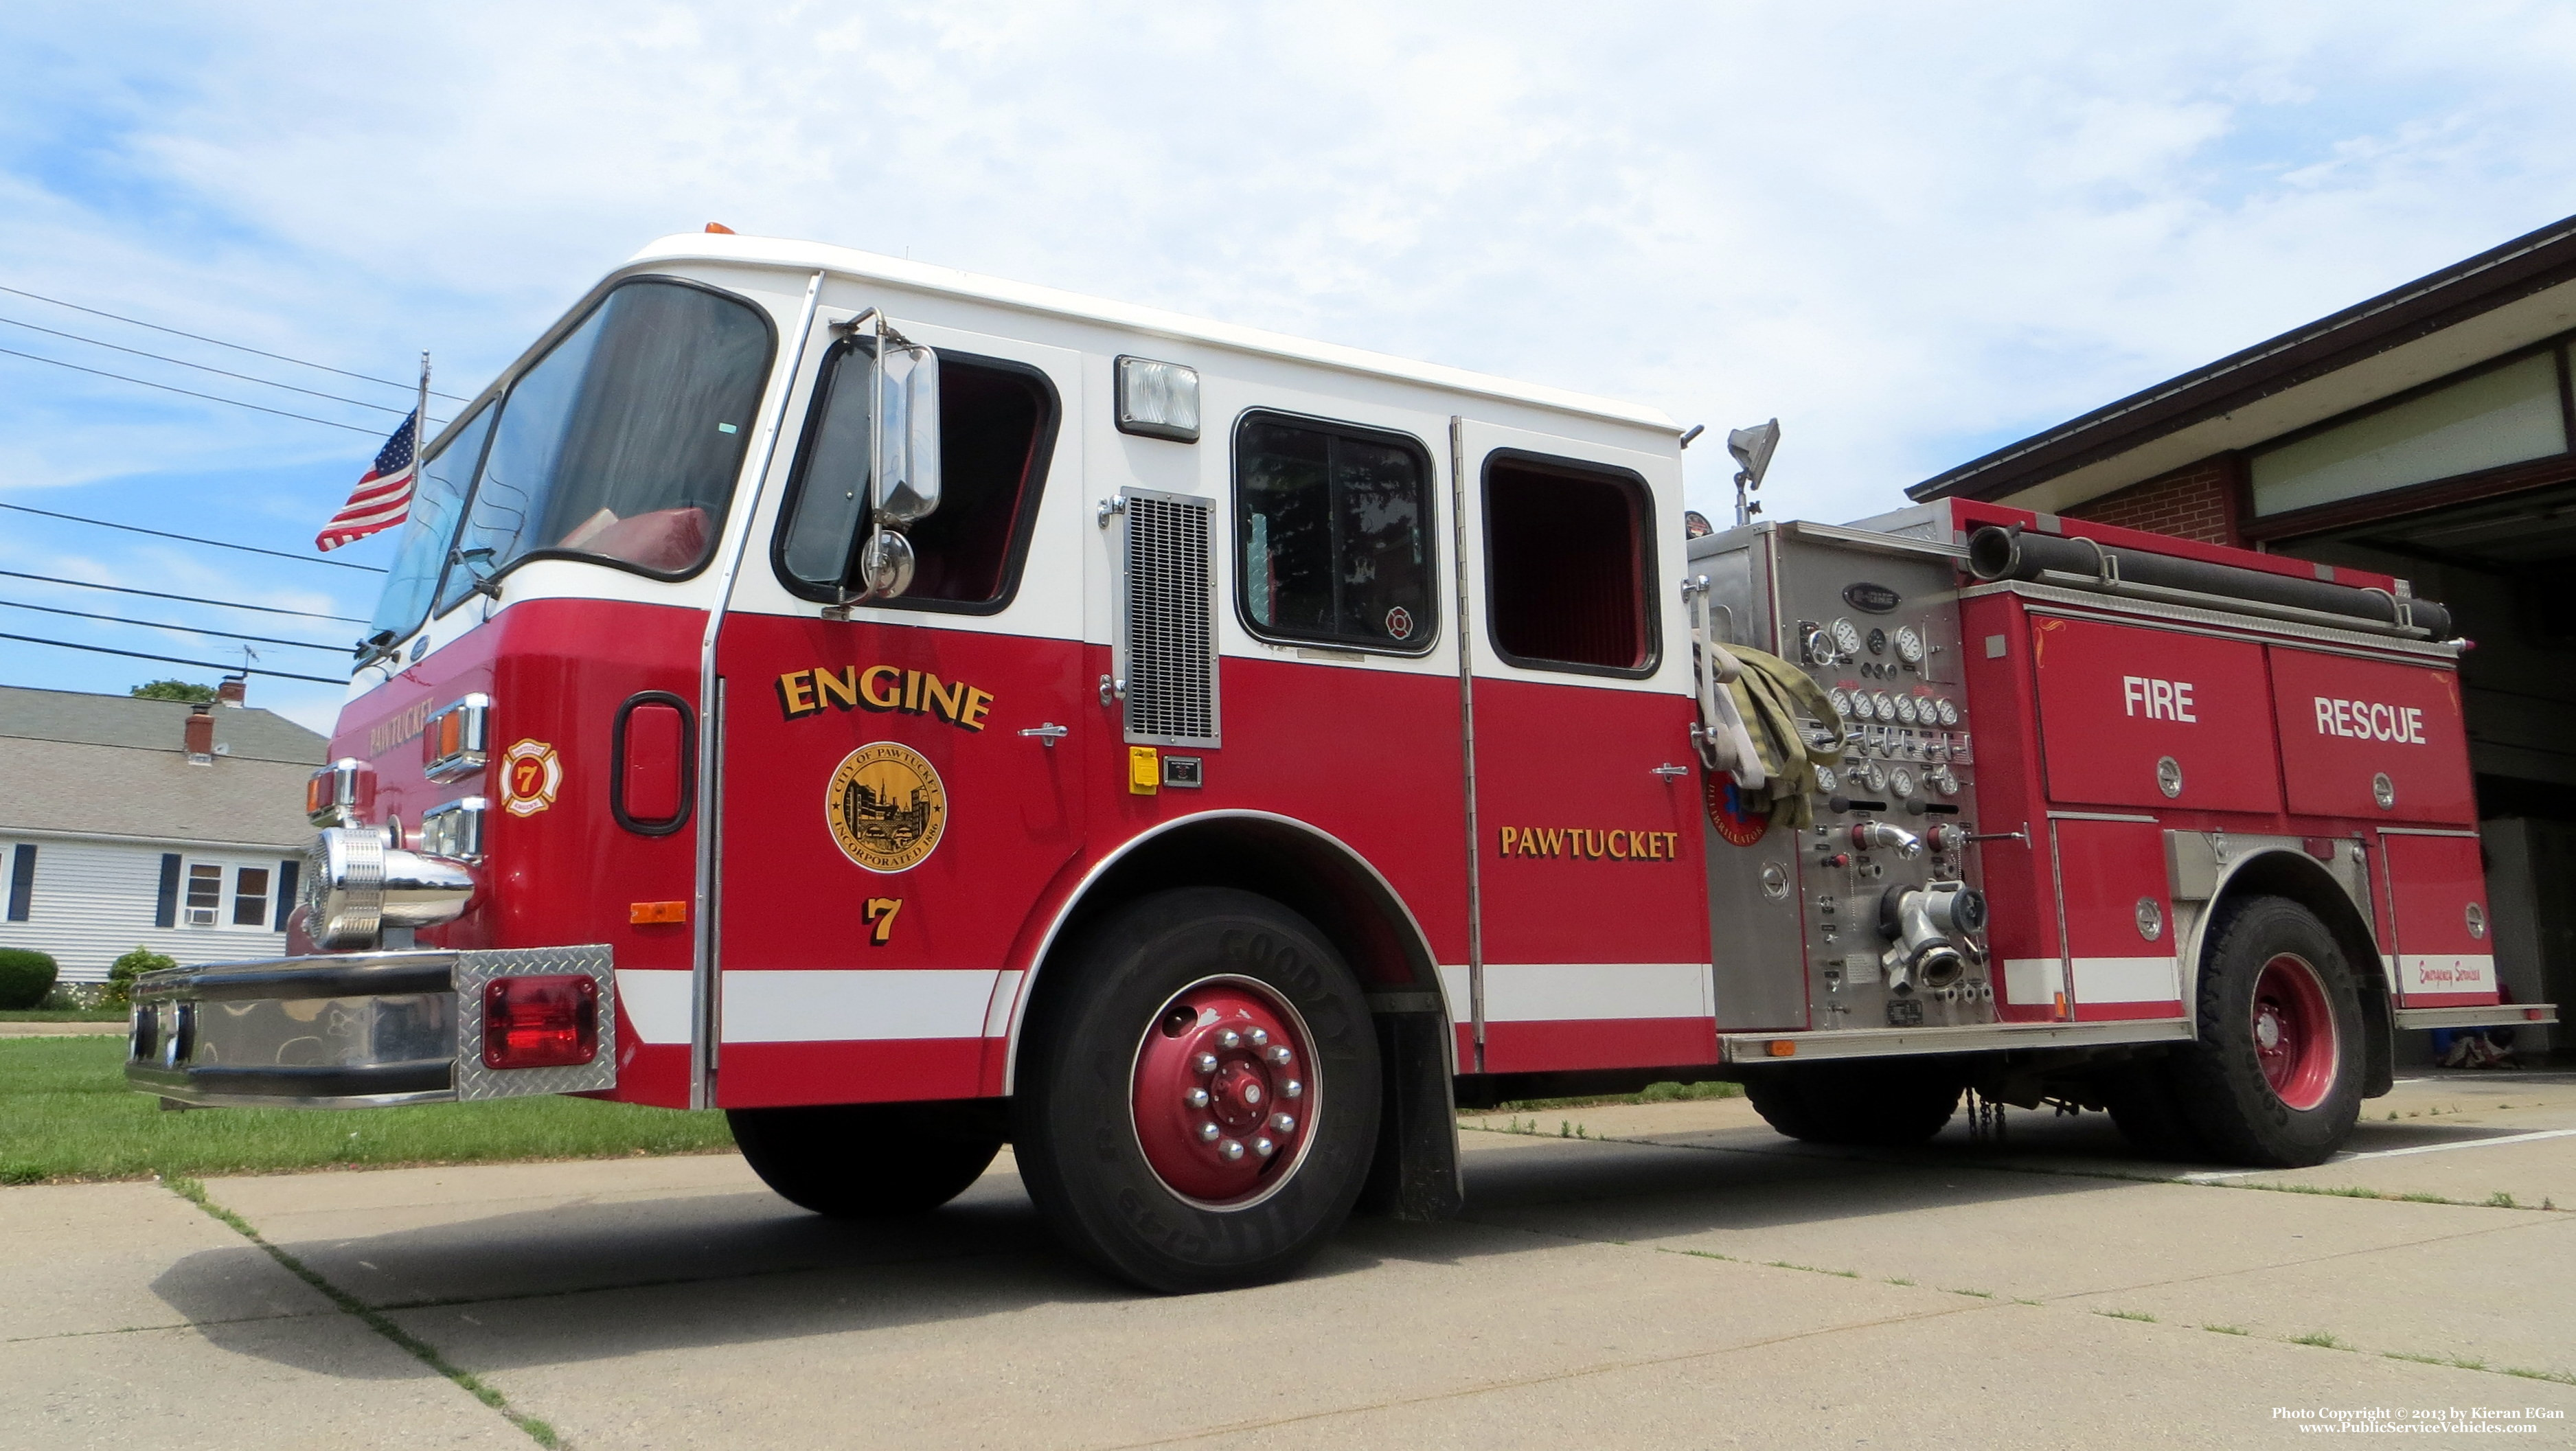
{"x": 2158, "y": 699}
{"x": 882, "y": 688}
{"x": 1584, "y": 842}
{"x": 2371, "y": 721}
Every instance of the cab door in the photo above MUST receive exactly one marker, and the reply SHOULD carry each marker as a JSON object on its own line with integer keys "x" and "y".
{"x": 898, "y": 777}
{"x": 1593, "y": 915}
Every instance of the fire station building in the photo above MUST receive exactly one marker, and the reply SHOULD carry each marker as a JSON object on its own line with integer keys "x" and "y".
{"x": 2428, "y": 433}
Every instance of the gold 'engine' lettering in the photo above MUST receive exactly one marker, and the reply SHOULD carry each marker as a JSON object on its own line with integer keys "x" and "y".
{"x": 883, "y": 688}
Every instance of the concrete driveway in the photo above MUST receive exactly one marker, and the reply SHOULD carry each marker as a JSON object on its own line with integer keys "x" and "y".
{"x": 1672, "y": 1275}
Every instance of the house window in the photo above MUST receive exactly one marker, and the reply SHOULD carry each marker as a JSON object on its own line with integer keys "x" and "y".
{"x": 1335, "y": 527}
{"x": 250, "y": 897}
{"x": 205, "y": 893}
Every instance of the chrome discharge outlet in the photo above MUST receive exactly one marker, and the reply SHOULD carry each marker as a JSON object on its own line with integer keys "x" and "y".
{"x": 1871, "y": 835}
{"x": 356, "y": 887}
{"x": 1925, "y": 927}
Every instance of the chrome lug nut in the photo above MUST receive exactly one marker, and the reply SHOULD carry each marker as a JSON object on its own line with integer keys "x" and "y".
{"x": 1264, "y": 1147}
{"x": 1259, "y": 1036}
{"x": 1229, "y": 1038}
{"x": 1208, "y": 1133}
{"x": 1204, "y": 1062}
{"x": 1292, "y": 1089}
{"x": 1278, "y": 1053}
{"x": 1283, "y": 1124}
{"x": 1196, "y": 1098}
{"x": 1231, "y": 1150}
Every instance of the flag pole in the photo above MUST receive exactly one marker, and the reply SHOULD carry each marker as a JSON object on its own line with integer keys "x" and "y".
{"x": 420, "y": 425}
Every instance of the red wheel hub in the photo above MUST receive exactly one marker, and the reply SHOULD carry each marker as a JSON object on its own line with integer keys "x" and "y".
{"x": 2294, "y": 1031}
{"x": 1224, "y": 1093}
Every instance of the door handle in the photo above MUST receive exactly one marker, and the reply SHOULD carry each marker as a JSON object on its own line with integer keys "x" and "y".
{"x": 1048, "y": 734}
{"x": 1671, "y": 772}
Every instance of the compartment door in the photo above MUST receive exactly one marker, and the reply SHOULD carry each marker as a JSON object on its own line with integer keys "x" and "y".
{"x": 2142, "y": 717}
{"x": 2445, "y": 947}
{"x": 2355, "y": 733}
{"x": 2120, "y": 959}
{"x": 1593, "y": 911}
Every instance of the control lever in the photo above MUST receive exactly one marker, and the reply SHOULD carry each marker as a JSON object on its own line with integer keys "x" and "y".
{"x": 1946, "y": 836}
{"x": 1871, "y": 834}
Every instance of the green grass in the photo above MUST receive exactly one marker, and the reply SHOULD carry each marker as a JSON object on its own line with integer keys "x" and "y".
{"x": 66, "y": 1114}
{"x": 63, "y": 1015}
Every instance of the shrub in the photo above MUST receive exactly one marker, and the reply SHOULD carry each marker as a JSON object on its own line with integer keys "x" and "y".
{"x": 122, "y": 972}
{"x": 25, "y": 978}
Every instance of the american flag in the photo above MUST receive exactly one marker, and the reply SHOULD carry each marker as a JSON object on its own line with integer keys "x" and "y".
{"x": 383, "y": 498}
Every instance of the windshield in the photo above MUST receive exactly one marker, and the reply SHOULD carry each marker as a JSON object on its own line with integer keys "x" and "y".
{"x": 623, "y": 442}
{"x": 436, "y": 505}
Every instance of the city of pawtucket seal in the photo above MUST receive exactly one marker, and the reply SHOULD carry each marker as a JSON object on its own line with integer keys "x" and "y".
{"x": 886, "y": 807}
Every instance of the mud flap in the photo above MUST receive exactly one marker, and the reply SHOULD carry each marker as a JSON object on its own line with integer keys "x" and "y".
{"x": 1415, "y": 1174}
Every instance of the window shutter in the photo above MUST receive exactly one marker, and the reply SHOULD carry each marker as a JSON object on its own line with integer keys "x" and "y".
{"x": 22, "y": 881}
{"x": 167, "y": 914}
{"x": 287, "y": 872}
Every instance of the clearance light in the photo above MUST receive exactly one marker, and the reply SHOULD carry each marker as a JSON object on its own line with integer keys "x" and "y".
{"x": 540, "y": 1022}
{"x": 340, "y": 794}
{"x": 456, "y": 741}
{"x": 644, "y": 914}
{"x": 1158, "y": 400}
{"x": 1783, "y": 1048}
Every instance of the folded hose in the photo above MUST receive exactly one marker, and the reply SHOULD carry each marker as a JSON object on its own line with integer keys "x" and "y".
{"x": 1791, "y": 727}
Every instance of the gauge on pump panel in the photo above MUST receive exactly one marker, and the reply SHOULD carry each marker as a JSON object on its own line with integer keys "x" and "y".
{"x": 1842, "y": 702}
{"x": 1826, "y": 780}
{"x": 1901, "y": 781}
{"x": 1909, "y": 645}
{"x": 1905, "y": 713}
{"x": 1846, "y": 637}
{"x": 1875, "y": 774}
{"x": 1943, "y": 780}
{"x": 1884, "y": 704}
{"x": 1878, "y": 642}
{"x": 1948, "y": 711}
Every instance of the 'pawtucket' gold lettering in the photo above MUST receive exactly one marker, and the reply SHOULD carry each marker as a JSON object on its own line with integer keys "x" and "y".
{"x": 882, "y": 688}
{"x": 1584, "y": 843}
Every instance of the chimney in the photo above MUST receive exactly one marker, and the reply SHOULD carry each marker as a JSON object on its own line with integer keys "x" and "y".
{"x": 232, "y": 689}
{"x": 200, "y": 737}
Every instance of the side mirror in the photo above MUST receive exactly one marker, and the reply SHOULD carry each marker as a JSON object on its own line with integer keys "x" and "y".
{"x": 905, "y": 483}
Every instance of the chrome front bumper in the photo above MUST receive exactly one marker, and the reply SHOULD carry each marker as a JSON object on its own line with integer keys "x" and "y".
{"x": 348, "y": 1030}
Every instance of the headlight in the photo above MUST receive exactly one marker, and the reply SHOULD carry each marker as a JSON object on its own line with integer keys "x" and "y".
{"x": 356, "y": 887}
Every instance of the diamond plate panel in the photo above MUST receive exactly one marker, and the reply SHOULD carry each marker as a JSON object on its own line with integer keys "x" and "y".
{"x": 474, "y": 969}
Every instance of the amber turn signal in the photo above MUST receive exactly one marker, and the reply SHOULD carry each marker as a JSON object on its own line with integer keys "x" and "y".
{"x": 645, "y": 913}
{"x": 1784, "y": 1047}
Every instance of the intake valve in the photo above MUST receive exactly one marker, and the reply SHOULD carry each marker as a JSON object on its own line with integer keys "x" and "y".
{"x": 1871, "y": 835}
{"x": 1921, "y": 923}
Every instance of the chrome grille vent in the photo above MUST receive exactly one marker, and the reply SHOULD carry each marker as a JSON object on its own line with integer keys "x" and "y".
{"x": 1170, "y": 640}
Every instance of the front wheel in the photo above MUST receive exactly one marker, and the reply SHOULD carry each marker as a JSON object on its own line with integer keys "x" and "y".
{"x": 1198, "y": 1100}
{"x": 2275, "y": 1077}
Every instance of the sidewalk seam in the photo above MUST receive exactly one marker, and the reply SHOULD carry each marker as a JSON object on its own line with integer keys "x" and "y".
{"x": 410, "y": 1344}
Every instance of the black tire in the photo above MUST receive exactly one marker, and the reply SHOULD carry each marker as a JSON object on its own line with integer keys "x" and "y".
{"x": 1885, "y": 1103}
{"x": 868, "y": 1160}
{"x": 2149, "y": 1115}
{"x": 2219, "y": 1080}
{"x": 1073, "y": 1115}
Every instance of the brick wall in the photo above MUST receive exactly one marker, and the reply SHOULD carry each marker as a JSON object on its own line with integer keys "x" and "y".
{"x": 2196, "y": 501}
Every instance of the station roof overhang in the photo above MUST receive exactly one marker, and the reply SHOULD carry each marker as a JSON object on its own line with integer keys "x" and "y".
{"x": 2510, "y": 297}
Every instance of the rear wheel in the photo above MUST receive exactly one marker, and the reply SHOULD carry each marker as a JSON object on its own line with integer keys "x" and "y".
{"x": 2275, "y": 1078}
{"x": 1885, "y": 1102}
{"x": 1198, "y": 1100}
{"x": 868, "y": 1160}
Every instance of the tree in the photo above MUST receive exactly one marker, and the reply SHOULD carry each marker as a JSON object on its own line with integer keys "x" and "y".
{"x": 174, "y": 690}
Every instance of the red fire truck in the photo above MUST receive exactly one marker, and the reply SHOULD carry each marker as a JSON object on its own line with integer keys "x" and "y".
{"x": 915, "y": 713}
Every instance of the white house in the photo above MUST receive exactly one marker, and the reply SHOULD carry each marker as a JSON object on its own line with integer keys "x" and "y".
{"x": 130, "y": 822}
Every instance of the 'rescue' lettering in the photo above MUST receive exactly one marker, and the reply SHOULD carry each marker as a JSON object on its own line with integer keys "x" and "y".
{"x": 882, "y": 688}
{"x": 2158, "y": 699}
{"x": 2371, "y": 720}
{"x": 1586, "y": 843}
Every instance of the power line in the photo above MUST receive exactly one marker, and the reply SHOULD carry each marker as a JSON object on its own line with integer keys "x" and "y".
{"x": 206, "y": 368}
{"x": 219, "y": 342}
{"x": 175, "y": 660}
{"x": 184, "y": 629}
{"x": 166, "y": 388}
{"x": 183, "y": 599}
{"x": 191, "y": 539}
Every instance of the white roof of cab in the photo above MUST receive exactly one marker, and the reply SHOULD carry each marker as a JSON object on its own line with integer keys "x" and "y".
{"x": 812, "y": 256}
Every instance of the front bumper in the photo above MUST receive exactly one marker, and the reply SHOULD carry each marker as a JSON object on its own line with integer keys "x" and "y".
{"x": 349, "y": 1030}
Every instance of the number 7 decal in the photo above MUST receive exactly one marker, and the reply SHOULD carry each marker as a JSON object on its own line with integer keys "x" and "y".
{"x": 881, "y": 911}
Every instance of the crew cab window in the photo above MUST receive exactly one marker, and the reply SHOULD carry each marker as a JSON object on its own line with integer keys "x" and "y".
{"x": 623, "y": 442}
{"x": 1570, "y": 580}
{"x": 997, "y": 425}
{"x": 1335, "y": 527}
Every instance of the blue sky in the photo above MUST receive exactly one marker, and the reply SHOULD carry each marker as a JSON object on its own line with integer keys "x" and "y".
{"x": 1912, "y": 233}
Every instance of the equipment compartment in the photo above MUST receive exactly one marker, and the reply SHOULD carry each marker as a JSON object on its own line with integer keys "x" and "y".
{"x": 2147, "y": 717}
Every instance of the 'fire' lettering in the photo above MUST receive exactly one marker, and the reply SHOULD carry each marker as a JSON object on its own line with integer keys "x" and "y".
{"x": 2158, "y": 699}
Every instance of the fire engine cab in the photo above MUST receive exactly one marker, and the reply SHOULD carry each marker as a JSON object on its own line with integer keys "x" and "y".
{"x": 915, "y": 713}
